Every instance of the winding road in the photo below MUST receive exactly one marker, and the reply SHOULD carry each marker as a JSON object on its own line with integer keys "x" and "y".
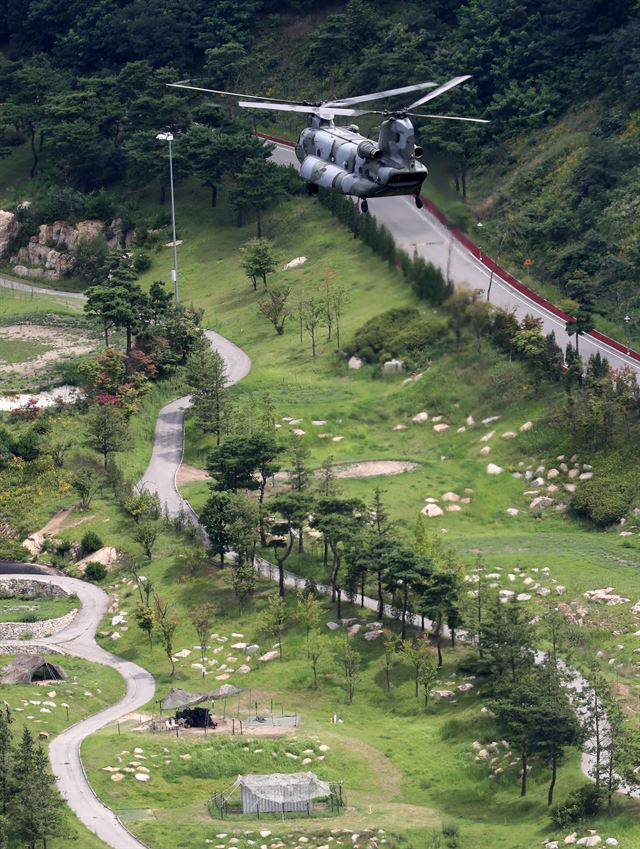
{"x": 415, "y": 231}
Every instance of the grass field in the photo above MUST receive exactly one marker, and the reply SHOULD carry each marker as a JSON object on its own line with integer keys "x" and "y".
{"x": 35, "y": 609}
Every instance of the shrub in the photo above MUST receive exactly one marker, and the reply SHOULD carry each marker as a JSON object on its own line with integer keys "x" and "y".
{"x": 605, "y": 499}
{"x": 89, "y": 258}
{"x": 29, "y": 618}
{"x": 90, "y": 542}
{"x": 95, "y": 572}
{"x": 583, "y": 803}
{"x": 141, "y": 262}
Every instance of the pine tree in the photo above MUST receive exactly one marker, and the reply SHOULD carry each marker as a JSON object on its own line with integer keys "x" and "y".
{"x": 5, "y": 760}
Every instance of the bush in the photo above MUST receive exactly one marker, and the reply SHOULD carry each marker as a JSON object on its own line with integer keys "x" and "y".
{"x": 29, "y": 618}
{"x": 90, "y": 542}
{"x": 95, "y": 572}
{"x": 582, "y": 804}
{"x": 141, "y": 262}
{"x": 605, "y": 499}
{"x": 89, "y": 259}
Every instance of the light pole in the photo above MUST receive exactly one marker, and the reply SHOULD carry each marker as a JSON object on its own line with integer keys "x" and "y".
{"x": 168, "y": 137}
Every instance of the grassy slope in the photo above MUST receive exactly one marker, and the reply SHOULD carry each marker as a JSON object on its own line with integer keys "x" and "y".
{"x": 403, "y": 770}
{"x": 88, "y": 689}
{"x": 15, "y": 610}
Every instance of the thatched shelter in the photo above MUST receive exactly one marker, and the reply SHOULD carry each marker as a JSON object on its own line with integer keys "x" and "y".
{"x": 26, "y": 668}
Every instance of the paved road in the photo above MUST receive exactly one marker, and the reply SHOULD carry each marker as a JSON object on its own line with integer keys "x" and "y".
{"x": 417, "y": 230}
{"x": 166, "y": 458}
{"x": 78, "y": 639}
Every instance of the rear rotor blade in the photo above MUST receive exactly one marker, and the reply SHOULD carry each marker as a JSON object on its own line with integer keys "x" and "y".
{"x": 183, "y": 84}
{"x": 308, "y": 110}
{"x": 379, "y": 95}
{"x": 448, "y": 118}
{"x": 438, "y": 91}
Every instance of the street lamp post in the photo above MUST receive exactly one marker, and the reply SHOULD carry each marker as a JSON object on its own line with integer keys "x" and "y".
{"x": 168, "y": 137}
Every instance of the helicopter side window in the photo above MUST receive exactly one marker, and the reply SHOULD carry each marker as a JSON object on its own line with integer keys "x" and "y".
{"x": 397, "y": 137}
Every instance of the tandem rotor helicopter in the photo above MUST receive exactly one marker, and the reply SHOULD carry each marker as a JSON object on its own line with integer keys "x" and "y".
{"x": 342, "y": 159}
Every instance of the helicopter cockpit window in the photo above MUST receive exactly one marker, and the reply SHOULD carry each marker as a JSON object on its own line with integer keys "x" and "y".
{"x": 397, "y": 137}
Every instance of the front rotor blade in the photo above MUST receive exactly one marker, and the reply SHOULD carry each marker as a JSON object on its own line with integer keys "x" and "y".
{"x": 308, "y": 110}
{"x": 379, "y": 95}
{"x": 438, "y": 91}
{"x": 449, "y": 118}
{"x": 182, "y": 84}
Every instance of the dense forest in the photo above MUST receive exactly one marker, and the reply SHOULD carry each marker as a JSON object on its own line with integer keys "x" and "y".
{"x": 555, "y": 176}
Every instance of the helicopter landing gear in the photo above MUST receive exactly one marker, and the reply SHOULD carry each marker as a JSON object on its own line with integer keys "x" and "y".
{"x": 312, "y": 189}
{"x": 364, "y": 206}
{"x": 418, "y": 200}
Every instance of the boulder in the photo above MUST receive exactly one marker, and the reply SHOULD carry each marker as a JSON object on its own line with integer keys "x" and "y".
{"x": 400, "y": 427}
{"x": 451, "y": 496}
{"x": 440, "y": 427}
{"x": 454, "y": 508}
{"x": 270, "y": 655}
{"x": 490, "y": 419}
{"x": 485, "y": 450}
{"x": 252, "y": 649}
{"x": 442, "y": 694}
{"x": 591, "y": 840}
{"x": 393, "y": 366}
{"x": 526, "y": 426}
{"x": 552, "y": 473}
{"x": 492, "y": 469}
{"x": 9, "y": 227}
{"x": 421, "y": 417}
{"x": 332, "y": 626}
{"x": 512, "y": 511}
{"x": 354, "y": 362}
{"x": 510, "y": 434}
{"x": 470, "y": 421}
{"x": 487, "y": 436}
{"x": 542, "y": 501}
{"x": 605, "y": 596}
{"x": 432, "y": 511}
{"x": 373, "y": 635}
{"x": 523, "y": 597}
{"x": 585, "y": 476}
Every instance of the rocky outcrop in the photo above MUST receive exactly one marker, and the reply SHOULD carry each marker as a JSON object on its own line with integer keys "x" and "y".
{"x": 49, "y": 253}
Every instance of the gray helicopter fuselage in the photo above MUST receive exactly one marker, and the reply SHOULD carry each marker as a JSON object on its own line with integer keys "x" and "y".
{"x": 342, "y": 159}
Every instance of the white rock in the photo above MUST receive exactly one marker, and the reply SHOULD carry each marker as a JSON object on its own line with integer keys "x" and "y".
{"x": 461, "y": 429}
{"x": 485, "y": 450}
{"x": 354, "y": 362}
{"x": 526, "y": 426}
{"x": 542, "y": 501}
{"x": 553, "y": 473}
{"x": 419, "y": 418}
{"x": 440, "y": 427}
{"x": 509, "y": 435}
{"x": 451, "y": 496}
{"x": 470, "y": 421}
{"x": 512, "y": 511}
{"x": 492, "y": 469}
{"x": 270, "y": 655}
{"x": 400, "y": 427}
{"x": 523, "y": 597}
{"x": 432, "y": 511}
{"x": 586, "y": 476}
{"x": 490, "y": 419}
{"x": 487, "y": 436}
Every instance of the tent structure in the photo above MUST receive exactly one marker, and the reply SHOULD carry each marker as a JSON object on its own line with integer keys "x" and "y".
{"x": 281, "y": 792}
{"x": 25, "y": 668}
{"x": 177, "y": 698}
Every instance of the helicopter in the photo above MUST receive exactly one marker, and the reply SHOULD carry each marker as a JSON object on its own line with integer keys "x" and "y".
{"x": 340, "y": 158}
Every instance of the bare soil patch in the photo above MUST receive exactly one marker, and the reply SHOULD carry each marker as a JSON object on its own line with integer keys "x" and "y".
{"x": 61, "y": 343}
{"x": 189, "y": 474}
{"x": 373, "y": 468}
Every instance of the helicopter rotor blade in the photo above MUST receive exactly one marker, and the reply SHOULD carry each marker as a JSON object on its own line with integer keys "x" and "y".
{"x": 308, "y": 110}
{"x": 182, "y": 84}
{"x": 379, "y": 95}
{"x": 438, "y": 91}
{"x": 448, "y": 117}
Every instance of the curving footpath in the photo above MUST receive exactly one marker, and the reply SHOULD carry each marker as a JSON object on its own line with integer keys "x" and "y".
{"x": 78, "y": 639}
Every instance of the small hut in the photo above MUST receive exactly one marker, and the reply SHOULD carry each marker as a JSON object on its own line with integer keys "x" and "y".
{"x": 281, "y": 792}
{"x": 26, "y": 668}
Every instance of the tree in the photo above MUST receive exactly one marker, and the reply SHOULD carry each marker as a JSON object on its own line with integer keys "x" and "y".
{"x": 405, "y": 571}
{"x": 36, "y": 805}
{"x": 166, "y": 626}
{"x": 274, "y": 307}
{"x": 338, "y": 520}
{"x": 146, "y": 533}
{"x": 117, "y": 300}
{"x": 428, "y": 676}
{"x": 620, "y": 753}
{"x": 207, "y": 376}
{"x": 339, "y": 298}
{"x": 145, "y": 620}
{"x": 259, "y": 185}
{"x": 317, "y": 648}
{"x": 273, "y": 618}
{"x": 86, "y": 483}
{"x": 439, "y": 596}
{"x": 561, "y": 727}
{"x": 108, "y": 430}
{"x": 507, "y": 639}
{"x": 258, "y": 260}
{"x": 582, "y": 324}
{"x": 299, "y": 472}
{"x": 457, "y": 308}
{"x": 416, "y": 653}
{"x": 348, "y": 658}
{"x": 5, "y": 760}
{"x": 216, "y": 518}
{"x": 201, "y": 616}
{"x": 390, "y": 649}
{"x": 308, "y": 612}
{"x": 243, "y": 581}
{"x": 518, "y": 714}
{"x": 143, "y": 506}
{"x": 313, "y": 318}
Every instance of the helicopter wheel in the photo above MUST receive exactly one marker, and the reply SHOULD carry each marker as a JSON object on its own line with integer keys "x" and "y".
{"x": 419, "y": 203}
{"x": 364, "y": 206}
